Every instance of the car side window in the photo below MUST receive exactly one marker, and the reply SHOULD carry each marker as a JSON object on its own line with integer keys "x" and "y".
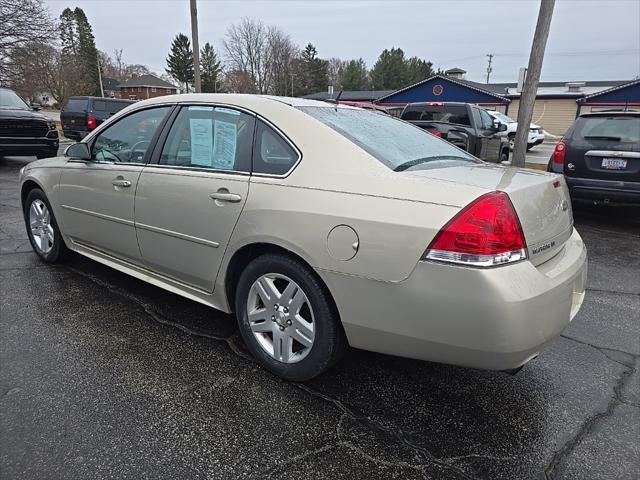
{"x": 487, "y": 122}
{"x": 218, "y": 138}
{"x": 272, "y": 154}
{"x": 128, "y": 139}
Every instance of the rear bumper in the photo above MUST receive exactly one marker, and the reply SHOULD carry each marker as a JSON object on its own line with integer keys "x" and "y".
{"x": 604, "y": 190}
{"x": 74, "y": 134}
{"x": 495, "y": 319}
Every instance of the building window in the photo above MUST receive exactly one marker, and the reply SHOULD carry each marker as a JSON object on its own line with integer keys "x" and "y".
{"x": 168, "y": 90}
{"x": 153, "y": 89}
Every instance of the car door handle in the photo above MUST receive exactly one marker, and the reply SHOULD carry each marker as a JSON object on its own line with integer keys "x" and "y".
{"x": 121, "y": 182}
{"x": 225, "y": 196}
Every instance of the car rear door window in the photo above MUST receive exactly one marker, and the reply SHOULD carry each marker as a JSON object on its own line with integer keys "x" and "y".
{"x": 272, "y": 154}
{"x": 209, "y": 137}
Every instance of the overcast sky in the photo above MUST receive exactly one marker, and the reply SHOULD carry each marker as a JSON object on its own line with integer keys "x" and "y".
{"x": 589, "y": 39}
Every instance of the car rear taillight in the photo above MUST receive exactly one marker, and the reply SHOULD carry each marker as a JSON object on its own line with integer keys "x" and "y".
{"x": 92, "y": 122}
{"x": 485, "y": 233}
{"x": 559, "y": 152}
{"x": 435, "y": 133}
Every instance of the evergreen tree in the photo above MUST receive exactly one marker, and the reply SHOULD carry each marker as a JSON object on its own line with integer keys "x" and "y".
{"x": 180, "y": 60}
{"x": 390, "y": 71}
{"x": 354, "y": 76}
{"x": 210, "y": 69}
{"x": 418, "y": 70}
{"x": 87, "y": 53}
{"x": 314, "y": 71}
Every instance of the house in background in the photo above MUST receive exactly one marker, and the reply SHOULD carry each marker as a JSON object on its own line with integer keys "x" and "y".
{"x": 110, "y": 87}
{"x": 145, "y": 86}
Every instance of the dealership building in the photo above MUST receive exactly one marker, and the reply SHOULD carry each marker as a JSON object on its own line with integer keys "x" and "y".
{"x": 556, "y": 106}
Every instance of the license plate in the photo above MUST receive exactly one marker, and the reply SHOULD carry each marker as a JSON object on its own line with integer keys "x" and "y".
{"x": 614, "y": 163}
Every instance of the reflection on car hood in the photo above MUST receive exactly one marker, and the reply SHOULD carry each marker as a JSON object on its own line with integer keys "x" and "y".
{"x": 8, "y": 114}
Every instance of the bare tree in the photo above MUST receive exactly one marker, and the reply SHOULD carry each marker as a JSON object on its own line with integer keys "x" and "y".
{"x": 281, "y": 56}
{"x": 22, "y": 23}
{"x": 246, "y": 51}
{"x": 239, "y": 81}
{"x": 336, "y": 70}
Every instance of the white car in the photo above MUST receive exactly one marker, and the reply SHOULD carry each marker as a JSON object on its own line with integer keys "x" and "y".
{"x": 536, "y": 134}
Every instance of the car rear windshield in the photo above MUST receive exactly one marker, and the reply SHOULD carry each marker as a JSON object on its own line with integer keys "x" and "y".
{"x": 75, "y": 105}
{"x": 617, "y": 128}
{"x": 456, "y": 114}
{"x": 397, "y": 144}
{"x": 110, "y": 106}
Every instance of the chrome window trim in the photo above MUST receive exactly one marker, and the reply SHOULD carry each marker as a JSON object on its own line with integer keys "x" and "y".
{"x": 197, "y": 169}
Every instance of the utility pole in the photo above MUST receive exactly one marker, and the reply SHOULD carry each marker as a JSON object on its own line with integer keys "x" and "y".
{"x": 489, "y": 70}
{"x": 100, "y": 79}
{"x": 292, "y": 75}
{"x": 196, "y": 47}
{"x": 528, "y": 95}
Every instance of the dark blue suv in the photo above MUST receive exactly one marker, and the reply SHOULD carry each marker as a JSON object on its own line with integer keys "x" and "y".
{"x": 80, "y": 115}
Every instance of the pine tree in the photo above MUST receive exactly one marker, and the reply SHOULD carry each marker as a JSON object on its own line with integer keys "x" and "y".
{"x": 418, "y": 70}
{"x": 180, "y": 60}
{"x": 354, "y": 76}
{"x": 390, "y": 71}
{"x": 210, "y": 69}
{"x": 315, "y": 71}
{"x": 87, "y": 53}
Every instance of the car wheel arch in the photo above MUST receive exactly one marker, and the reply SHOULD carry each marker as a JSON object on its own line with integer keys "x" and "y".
{"x": 27, "y": 186}
{"x": 247, "y": 253}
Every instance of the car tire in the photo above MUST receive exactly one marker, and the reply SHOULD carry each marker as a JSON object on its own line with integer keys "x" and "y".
{"x": 50, "y": 154}
{"x": 259, "y": 285}
{"x": 504, "y": 156}
{"x": 512, "y": 139}
{"x": 50, "y": 247}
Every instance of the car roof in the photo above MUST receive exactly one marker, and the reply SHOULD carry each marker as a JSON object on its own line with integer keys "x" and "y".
{"x": 608, "y": 113}
{"x": 436, "y": 104}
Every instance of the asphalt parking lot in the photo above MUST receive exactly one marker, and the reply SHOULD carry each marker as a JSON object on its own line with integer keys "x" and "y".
{"x": 103, "y": 376}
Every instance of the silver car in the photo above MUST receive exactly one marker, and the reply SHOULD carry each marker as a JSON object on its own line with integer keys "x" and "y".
{"x": 320, "y": 226}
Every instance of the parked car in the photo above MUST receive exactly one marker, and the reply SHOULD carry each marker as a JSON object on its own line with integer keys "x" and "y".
{"x": 81, "y": 115}
{"x": 536, "y": 134}
{"x": 466, "y": 126}
{"x": 319, "y": 225}
{"x": 24, "y": 131}
{"x": 600, "y": 157}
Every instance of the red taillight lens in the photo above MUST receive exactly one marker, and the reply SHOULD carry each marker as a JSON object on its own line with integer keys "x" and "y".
{"x": 485, "y": 233}
{"x": 559, "y": 152}
{"x": 92, "y": 122}
{"x": 435, "y": 133}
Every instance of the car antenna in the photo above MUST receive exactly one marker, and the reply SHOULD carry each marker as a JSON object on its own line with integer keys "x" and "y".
{"x": 337, "y": 99}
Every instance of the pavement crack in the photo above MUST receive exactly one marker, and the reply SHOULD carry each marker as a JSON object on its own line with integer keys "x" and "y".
{"x": 602, "y": 290}
{"x": 293, "y": 460}
{"x": 606, "y": 351}
{"x": 377, "y": 426}
{"x": 154, "y": 315}
{"x": 588, "y": 426}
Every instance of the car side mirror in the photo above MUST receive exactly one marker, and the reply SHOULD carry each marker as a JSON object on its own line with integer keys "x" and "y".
{"x": 502, "y": 127}
{"x": 78, "y": 151}
{"x": 36, "y": 107}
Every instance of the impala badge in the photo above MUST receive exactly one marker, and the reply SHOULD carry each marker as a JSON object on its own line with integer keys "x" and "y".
{"x": 564, "y": 205}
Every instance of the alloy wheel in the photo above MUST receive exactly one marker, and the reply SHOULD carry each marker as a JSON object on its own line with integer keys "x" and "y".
{"x": 40, "y": 225}
{"x": 281, "y": 317}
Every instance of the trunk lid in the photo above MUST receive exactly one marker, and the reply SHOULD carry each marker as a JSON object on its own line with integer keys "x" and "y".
{"x": 540, "y": 199}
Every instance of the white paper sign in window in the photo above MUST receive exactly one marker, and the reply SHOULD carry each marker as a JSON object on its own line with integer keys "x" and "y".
{"x": 225, "y": 141}
{"x": 201, "y": 141}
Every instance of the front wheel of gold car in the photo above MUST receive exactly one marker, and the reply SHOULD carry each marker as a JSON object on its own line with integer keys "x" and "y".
{"x": 287, "y": 319}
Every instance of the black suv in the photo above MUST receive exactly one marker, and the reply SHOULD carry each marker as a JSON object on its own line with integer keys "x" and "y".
{"x": 80, "y": 115}
{"x": 23, "y": 131}
{"x": 600, "y": 157}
